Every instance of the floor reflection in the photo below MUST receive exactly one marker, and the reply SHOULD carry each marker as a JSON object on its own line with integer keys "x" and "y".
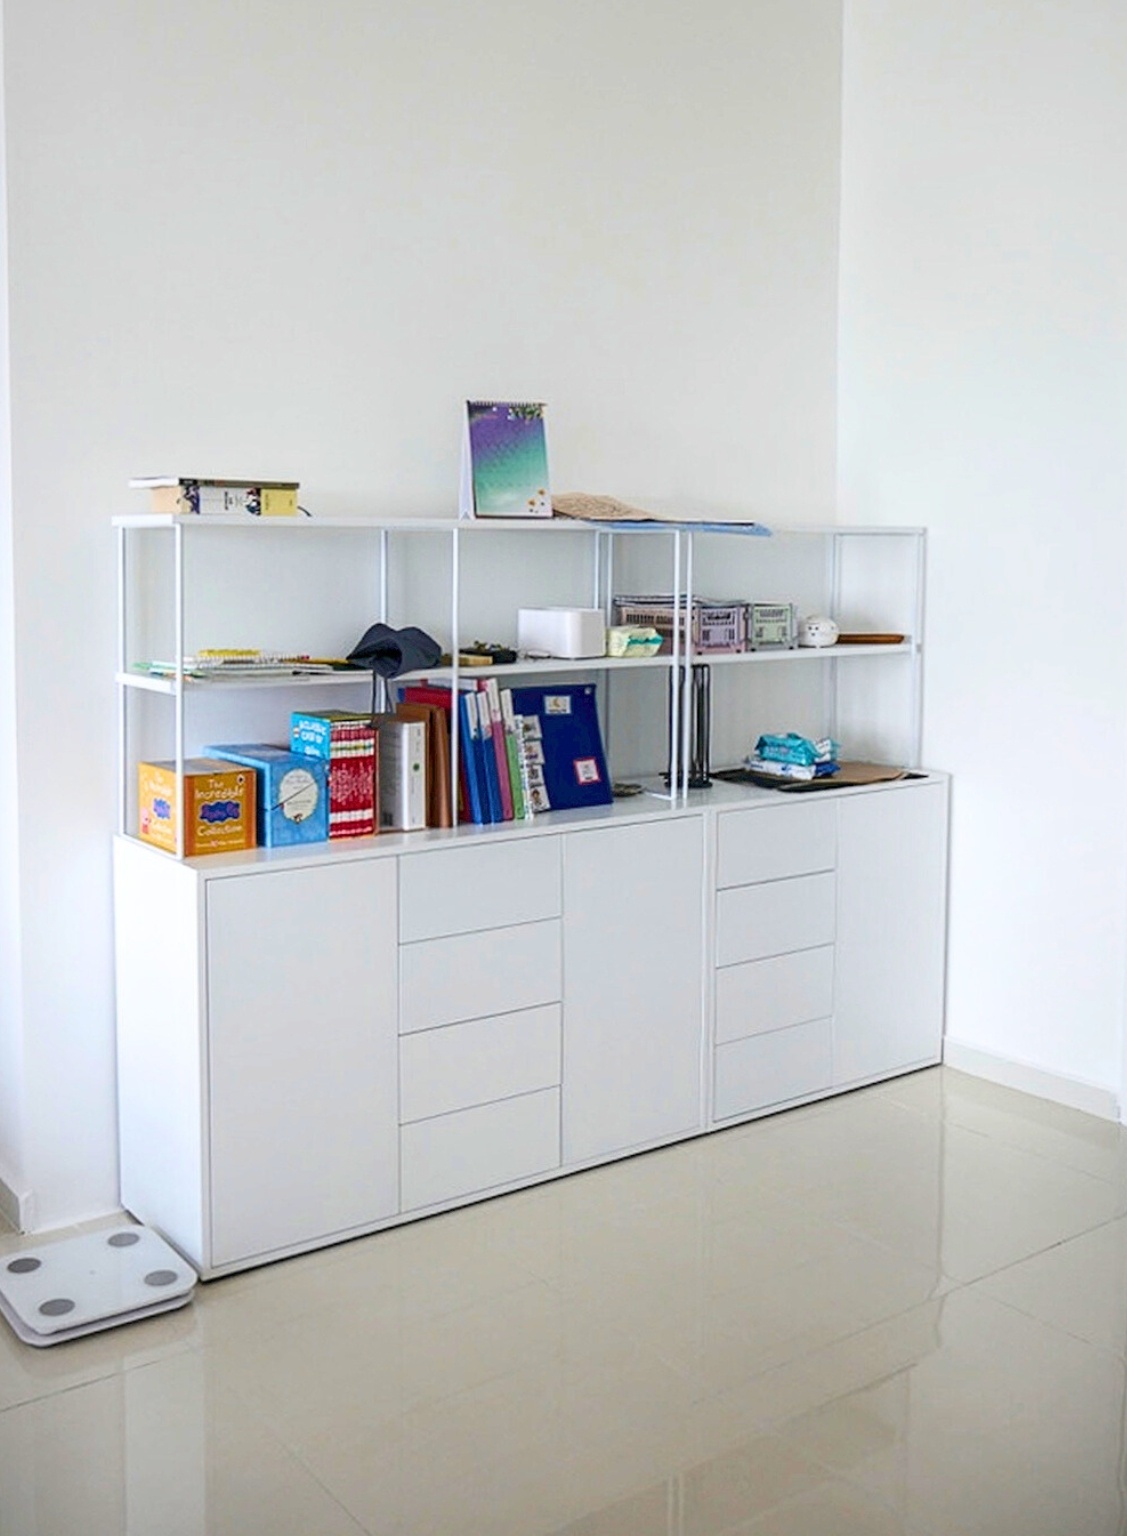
{"x": 902, "y": 1311}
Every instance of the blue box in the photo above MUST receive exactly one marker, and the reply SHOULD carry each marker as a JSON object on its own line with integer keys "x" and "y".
{"x": 293, "y": 792}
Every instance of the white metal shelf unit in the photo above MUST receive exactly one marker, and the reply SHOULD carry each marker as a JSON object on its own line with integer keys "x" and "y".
{"x": 671, "y": 551}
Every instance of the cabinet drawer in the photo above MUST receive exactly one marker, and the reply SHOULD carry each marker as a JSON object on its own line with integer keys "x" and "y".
{"x": 443, "y": 981}
{"x": 776, "y": 843}
{"x": 442, "y": 1070}
{"x": 763, "y": 995}
{"x": 478, "y": 1149}
{"x": 770, "y": 1069}
{"x": 463, "y": 890}
{"x": 773, "y": 919}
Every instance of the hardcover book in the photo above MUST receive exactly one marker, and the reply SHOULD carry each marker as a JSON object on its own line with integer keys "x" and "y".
{"x": 504, "y": 461}
{"x": 402, "y": 747}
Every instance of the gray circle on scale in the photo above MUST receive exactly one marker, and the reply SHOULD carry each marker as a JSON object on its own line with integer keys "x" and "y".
{"x": 24, "y": 1266}
{"x": 123, "y": 1239}
{"x": 57, "y": 1306}
{"x": 160, "y": 1277}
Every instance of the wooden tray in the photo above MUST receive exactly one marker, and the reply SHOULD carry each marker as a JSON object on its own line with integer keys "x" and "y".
{"x": 871, "y": 639}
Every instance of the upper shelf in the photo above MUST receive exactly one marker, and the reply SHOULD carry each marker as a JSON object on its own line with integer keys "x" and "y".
{"x": 555, "y": 525}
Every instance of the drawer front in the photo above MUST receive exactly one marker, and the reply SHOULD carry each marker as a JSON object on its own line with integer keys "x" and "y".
{"x": 464, "y": 890}
{"x": 773, "y": 919}
{"x": 771, "y": 1069}
{"x": 479, "y": 1149}
{"x": 764, "y": 995}
{"x": 475, "y": 975}
{"x": 776, "y": 842}
{"x": 443, "y": 1070}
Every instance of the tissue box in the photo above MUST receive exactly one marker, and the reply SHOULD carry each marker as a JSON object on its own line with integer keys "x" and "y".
{"x": 569, "y": 632}
{"x": 217, "y": 801}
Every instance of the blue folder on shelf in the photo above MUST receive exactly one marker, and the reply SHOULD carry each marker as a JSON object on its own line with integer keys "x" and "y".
{"x": 470, "y": 744}
{"x": 574, "y": 766}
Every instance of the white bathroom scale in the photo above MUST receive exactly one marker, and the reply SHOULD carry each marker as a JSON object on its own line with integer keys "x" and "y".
{"x": 79, "y": 1285}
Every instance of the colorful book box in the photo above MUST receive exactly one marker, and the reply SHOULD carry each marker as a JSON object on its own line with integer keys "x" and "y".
{"x": 292, "y": 793}
{"x": 216, "y": 799}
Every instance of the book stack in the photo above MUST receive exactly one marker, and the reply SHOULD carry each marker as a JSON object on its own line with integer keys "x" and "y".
{"x": 347, "y": 742}
{"x": 522, "y": 751}
{"x": 492, "y": 774}
{"x": 219, "y": 498}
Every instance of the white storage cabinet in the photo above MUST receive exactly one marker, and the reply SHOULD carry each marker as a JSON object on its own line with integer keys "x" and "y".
{"x": 320, "y": 1041}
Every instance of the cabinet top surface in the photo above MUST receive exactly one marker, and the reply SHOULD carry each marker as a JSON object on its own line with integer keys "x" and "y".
{"x": 719, "y": 798}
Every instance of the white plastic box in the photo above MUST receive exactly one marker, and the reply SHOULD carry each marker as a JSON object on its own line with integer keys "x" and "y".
{"x": 567, "y": 632}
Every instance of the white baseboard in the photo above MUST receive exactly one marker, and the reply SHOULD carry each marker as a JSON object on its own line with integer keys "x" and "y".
{"x": 16, "y": 1209}
{"x": 1056, "y": 1086}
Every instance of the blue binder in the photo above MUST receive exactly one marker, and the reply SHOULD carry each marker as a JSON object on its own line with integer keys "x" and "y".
{"x": 471, "y": 751}
{"x": 575, "y": 766}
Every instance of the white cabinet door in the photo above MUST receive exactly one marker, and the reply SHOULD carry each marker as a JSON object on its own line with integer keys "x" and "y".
{"x": 632, "y": 986}
{"x": 303, "y": 1055}
{"x": 891, "y": 931}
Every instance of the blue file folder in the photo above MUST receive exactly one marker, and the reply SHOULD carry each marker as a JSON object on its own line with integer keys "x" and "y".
{"x": 575, "y": 766}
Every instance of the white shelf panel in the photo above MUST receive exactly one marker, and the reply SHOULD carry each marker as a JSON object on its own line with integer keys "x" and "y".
{"x": 167, "y": 685}
{"x": 564, "y": 525}
{"x": 541, "y": 668}
{"x": 805, "y": 653}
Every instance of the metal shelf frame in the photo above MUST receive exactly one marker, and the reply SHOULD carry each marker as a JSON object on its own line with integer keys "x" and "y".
{"x": 604, "y": 542}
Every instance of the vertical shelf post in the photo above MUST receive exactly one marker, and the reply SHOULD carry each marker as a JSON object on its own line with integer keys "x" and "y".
{"x": 687, "y": 672}
{"x": 917, "y": 648}
{"x": 122, "y": 695}
{"x": 178, "y": 682}
{"x": 382, "y": 688}
{"x": 455, "y": 646}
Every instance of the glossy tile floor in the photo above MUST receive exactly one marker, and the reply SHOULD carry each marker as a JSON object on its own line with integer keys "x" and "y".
{"x": 901, "y": 1311}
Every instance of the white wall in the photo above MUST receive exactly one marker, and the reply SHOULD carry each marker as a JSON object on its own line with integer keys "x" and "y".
{"x": 290, "y": 239}
{"x": 983, "y": 392}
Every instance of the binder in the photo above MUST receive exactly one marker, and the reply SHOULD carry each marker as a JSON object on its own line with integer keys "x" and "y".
{"x": 513, "y": 755}
{"x": 471, "y": 747}
{"x": 486, "y": 756}
{"x": 489, "y": 691}
{"x": 575, "y": 766}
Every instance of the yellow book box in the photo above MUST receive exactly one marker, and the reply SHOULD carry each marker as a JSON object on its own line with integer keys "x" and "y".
{"x": 217, "y": 802}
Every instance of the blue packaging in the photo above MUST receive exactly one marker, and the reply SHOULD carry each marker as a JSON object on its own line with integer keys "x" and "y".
{"x": 293, "y": 792}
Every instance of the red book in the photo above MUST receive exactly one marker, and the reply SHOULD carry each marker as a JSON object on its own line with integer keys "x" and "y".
{"x": 348, "y": 742}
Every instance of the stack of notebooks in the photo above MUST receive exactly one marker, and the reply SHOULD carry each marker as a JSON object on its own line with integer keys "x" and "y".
{"x": 521, "y": 751}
